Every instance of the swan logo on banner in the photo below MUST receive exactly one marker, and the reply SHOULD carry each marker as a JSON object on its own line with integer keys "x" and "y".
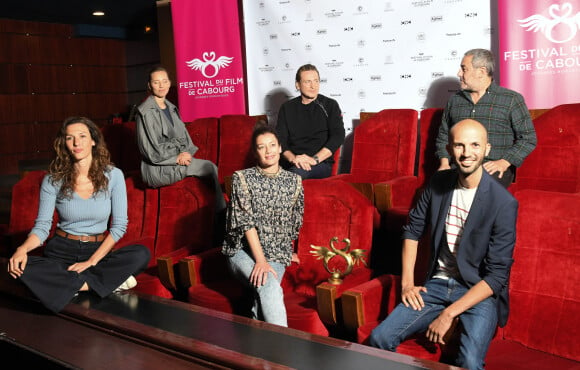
{"x": 559, "y": 16}
{"x": 209, "y": 60}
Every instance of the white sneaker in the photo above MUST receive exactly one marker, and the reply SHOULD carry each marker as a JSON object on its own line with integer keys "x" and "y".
{"x": 131, "y": 282}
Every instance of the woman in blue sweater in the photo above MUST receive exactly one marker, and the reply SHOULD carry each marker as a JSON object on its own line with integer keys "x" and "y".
{"x": 86, "y": 190}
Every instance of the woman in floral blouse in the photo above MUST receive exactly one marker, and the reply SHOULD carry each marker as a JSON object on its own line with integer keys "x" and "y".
{"x": 264, "y": 217}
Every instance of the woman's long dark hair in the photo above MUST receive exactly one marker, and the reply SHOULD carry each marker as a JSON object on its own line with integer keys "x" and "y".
{"x": 62, "y": 168}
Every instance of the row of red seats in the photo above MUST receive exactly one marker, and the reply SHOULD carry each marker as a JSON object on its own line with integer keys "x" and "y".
{"x": 541, "y": 332}
{"x": 225, "y": 141}
{"x": 171, "y": 221}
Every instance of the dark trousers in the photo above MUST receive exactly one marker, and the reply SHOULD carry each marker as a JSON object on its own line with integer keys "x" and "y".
{"x": 50, "y": 281}
{"x": 320, "y": 171}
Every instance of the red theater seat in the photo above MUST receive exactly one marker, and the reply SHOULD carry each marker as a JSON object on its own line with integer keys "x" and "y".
{"x": 235, "y": 135}
{"x": 542, "y": 331}
{"x": 204, "y": 134}
{"x": 553, "y": 165}
{"x": 23, "y": 211}
{"x": 384, "y": 147}
{"x": 332, "y": 208}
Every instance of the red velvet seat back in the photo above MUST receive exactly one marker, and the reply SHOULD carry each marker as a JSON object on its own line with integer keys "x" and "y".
{"x": 331, "y": 208}
{"x": 235, "y": 135}
{"x": 185, "y": 217}
{"x": 121, "y": 139}
{"x": 204, "y": 134}
{"x": 142, "y": 208}
{"x": 544, "y": 294}
{"x": 24, "y": 207}
{"x": 384, "y": 146}
{"x": 554, "y": 165}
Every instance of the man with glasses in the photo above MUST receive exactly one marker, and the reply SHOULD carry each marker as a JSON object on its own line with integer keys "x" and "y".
{"x": 310, "y": 128}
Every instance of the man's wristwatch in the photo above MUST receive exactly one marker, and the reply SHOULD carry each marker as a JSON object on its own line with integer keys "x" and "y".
{"x": 316, "y": 159}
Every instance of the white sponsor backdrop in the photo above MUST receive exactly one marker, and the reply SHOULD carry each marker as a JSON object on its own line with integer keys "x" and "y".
{"x": 371, "y": 54}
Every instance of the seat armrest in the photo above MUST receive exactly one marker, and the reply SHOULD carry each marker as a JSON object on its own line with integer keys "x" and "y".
{"x": 366, "y": 189}
{"x": 201, "y": 267}
{"x": 166, "y": 272}
{"x": 166, "y": 269}
{"x": 326, "y": 295}
{"x": 395, "y": 193}
{"x": 369, "y": 301}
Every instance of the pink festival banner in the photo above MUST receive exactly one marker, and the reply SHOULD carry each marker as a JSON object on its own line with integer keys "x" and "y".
{"x": 540, "y": 50}
{"x": 208, "y": 57}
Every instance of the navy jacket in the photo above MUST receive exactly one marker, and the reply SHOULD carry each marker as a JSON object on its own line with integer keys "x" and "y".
{"x": 487, "y": 245}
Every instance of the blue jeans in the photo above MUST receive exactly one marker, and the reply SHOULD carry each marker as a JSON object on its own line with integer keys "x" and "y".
{"x": 479, "y": 322}
{"x": 269, "y": 298}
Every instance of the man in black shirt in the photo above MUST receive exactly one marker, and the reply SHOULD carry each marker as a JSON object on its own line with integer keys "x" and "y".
{"x": 310, "y": 128}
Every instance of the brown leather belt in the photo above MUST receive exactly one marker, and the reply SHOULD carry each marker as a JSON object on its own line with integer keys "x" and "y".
{"x": 82, "y": 238}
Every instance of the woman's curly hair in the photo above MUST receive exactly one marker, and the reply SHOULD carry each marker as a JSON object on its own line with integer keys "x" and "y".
{"x": 62, "y": 168}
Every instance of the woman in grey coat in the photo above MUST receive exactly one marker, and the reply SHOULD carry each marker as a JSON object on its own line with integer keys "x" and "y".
{"x": 166, "y": 147}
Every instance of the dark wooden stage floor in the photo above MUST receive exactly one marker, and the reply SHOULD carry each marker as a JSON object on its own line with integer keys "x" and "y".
{"x": 133, "y": 331}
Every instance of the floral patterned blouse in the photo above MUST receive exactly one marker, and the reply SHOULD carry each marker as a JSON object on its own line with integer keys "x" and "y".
{"x": 273, "y": 204}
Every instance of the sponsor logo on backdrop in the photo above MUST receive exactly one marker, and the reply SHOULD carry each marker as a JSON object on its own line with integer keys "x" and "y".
{"x": 561, "y": 18}
{"x": 266, "y": 68}
{"x": 209, "y": 60}
{"x": 361, "y": 94}
{"x": 389, "y": 7}
{"x": 437, "y": 74}
{"x": 421, "y": 3}
{"x": 283, "y": 19}
{"x": 273, "y": 36}
{"x": 421, "y": 57}
{"x": 263, "y": 22}
{"x": 308, "y": 47}
{"x": 453, "y": 55}
{"x": 333, "y": 13}
{"x": 421, "y": 36}
{"x": 334, "y": 63}
{"x": 360, "y": 10}
{"x": 376, "y": 26}
{"x": 471, "y": 15}
{"x": 361, "y": 62}
{"x": 436, "y": 18}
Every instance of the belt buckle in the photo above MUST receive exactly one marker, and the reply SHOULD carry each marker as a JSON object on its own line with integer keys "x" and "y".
{"x": 85, "y": 238}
